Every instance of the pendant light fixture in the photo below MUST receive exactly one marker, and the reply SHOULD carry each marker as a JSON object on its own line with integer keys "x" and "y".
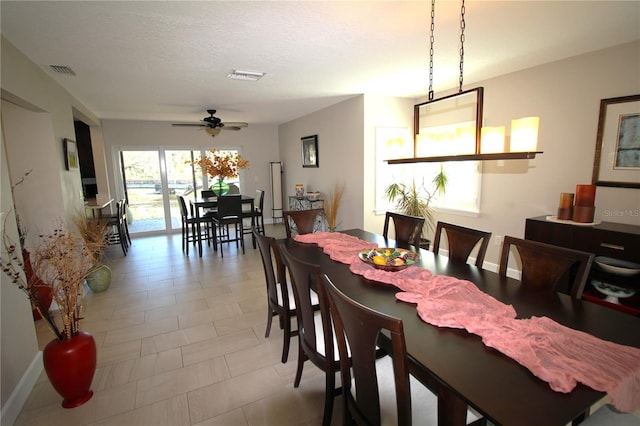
{"x": 450, "y": 128}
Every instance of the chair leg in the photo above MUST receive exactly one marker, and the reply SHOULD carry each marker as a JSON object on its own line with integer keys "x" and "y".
{"x": 301, "y": 359}
{"x": 329, "y": 394}
{"x": 286, "y": 335}
{"x": 270, "y": 314}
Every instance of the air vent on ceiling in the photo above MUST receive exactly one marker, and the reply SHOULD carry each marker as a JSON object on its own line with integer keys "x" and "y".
{"x": 245, "y": 75}
{"x": 62, "y": 69}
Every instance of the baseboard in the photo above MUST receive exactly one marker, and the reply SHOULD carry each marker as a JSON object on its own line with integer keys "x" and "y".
{"x": 14, "y": 404}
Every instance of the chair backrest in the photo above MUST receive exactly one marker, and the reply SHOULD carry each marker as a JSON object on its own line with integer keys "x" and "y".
{"x": 270, "y": 255}
{"x": 548, "y": 266}
{"x": 258, "y": 201}
{"x": 358, "y": 327}
{"x": 183, "y": 207}
{"x": 303, "y": 220}
{"x": 462, "y": 241}
{"x": 229, "y": 207}
{"x": 207, "y": 193}
{"x": 306, "y": 281}
{"x": 408, "y": 229}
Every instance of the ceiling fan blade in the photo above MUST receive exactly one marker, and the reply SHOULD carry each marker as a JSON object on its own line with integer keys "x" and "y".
{"x": 188, "y": 124}
{"x": 234, "y": 125}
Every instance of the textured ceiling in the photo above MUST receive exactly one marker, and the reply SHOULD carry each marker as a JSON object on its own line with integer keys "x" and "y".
{"x": 169, "y": 60}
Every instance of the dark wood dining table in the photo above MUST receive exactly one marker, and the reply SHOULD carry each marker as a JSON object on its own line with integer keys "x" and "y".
{"x": 211, "y": 202}
{"x": 456, "y": 365}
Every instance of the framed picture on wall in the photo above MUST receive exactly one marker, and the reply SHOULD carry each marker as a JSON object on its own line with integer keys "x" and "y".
{"x": 310, "y": 151}
{"x": 70, "y": 154}
{"x": 617, "y": 157}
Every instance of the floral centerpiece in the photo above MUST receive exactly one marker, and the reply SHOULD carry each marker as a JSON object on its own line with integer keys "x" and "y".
{"x": 220, "y": 165}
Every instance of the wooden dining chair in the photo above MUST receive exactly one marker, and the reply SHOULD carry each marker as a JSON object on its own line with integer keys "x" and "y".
{"x": 315, "y": 332}
{"x": 280, "y": 297}
{"x": 461, "y": 242}
{"x": 257, "y": 213}
{"x": 116, "y": 234}
{"x": 408, "y": 229}
{"x": 300, "y": 221}
{"x": 377, "y": 390}
{"x": 548, "y": 266}
{"x": 229, "y": 213}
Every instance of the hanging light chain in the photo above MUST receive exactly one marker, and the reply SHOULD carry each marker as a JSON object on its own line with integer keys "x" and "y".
{"x": 431, "y": 40}
{"x": 462, "y": 27}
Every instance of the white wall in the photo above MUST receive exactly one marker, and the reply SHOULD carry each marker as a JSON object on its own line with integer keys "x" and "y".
{"x": 566, "y": 96}
{"x": 258, "y": 143}
{"x": 341, "y": 156}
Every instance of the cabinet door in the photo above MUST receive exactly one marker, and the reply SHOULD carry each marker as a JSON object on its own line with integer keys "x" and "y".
{"x": 557, "y": 234}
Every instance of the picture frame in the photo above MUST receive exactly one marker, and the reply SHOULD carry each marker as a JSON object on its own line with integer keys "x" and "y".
{"x": 310, "y": 151}
{"x": 617, "y": 155}
{"x": 70, "y": 154}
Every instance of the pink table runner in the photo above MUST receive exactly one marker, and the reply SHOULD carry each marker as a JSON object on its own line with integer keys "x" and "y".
{"x": 556, "y": 354}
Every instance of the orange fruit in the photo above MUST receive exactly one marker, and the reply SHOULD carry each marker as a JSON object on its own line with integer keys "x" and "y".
{"x": 379, "y": 260}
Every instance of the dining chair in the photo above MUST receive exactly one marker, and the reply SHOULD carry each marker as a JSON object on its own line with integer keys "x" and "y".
{"x": 115, "y": 234}
{"x": 257, "y": 215}
{"x": 548, "y": 266}
{"x": 408, "y": 229}
{"x": 125, "y": 220}
{"x": 229, "y": 213}
{"x": 377, "y": 390}
{"x": 300, "y": 221}
{"x": 280, "y": 297}
{"x": 461, "y": 241}
{"x": 315, "y": 332}
{"x": 190, "y": 226}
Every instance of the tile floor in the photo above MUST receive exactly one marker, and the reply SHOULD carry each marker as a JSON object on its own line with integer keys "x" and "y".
{"x": 181, "y": 342}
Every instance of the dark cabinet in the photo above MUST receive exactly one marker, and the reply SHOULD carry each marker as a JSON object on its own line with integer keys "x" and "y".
{"x": 614, "y": 240}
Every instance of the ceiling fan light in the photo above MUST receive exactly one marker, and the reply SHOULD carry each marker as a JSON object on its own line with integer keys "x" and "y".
{"x": 213, "y": 131}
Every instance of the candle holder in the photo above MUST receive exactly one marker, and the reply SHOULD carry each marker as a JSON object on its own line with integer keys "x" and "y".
{"x": 583, "y": 214}
{"x": 565, "y": 211}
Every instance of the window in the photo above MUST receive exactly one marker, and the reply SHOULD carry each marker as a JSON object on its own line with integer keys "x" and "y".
{"x": 464, "y": 177}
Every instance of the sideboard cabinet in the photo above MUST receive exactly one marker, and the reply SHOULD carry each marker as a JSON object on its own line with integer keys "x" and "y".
{"x": 613, "y": 240}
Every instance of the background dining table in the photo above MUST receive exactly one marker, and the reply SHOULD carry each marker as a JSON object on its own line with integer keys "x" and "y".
{"x": 211, "y": 202}
{"x": 456, "y": 365}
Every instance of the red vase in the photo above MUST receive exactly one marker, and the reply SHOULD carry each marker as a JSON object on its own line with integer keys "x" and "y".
{"x": 70, "y": 365}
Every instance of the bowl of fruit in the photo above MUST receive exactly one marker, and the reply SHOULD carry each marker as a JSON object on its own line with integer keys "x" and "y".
{"x": 388, "y": 258}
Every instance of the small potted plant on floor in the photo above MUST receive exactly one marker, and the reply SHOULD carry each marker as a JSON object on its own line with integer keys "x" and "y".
{"x": 92, "y": 232}
{"x": 415, "y": 199}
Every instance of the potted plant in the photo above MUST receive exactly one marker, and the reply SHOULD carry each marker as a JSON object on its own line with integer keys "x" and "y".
{"x": 415, "y": 200}
{"x": 63, "y": 261}
{"x": 220, "y": 165}
{"x": 92, "y": 233}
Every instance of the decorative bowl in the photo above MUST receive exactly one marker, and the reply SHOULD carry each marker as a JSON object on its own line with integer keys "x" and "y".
{"x": 617, "y": 266}
{"x": 389, "y": 258}
{"x": 313, "y": 196}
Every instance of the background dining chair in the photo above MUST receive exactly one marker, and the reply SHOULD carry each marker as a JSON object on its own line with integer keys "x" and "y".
{"x": 116, "y": 233}
{"x": 280, "y": 297}
{"x": 190, "y": 226}
{"x": 257, "y": 215}
{"x": 315, "y": 332}
{"x": 385, "y": 392}
{"x": 300, "y": 221}
{"x": 229, "y": 213}
{"x": 408, "y": 229}
{"x": 461, "y": 241}
{"x": 548, "y": 266}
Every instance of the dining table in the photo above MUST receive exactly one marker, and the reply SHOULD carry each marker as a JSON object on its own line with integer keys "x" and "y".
{"x": 96, "y": 206}
{"x": 200, "y": 203}
{"x": 455, "y": 364}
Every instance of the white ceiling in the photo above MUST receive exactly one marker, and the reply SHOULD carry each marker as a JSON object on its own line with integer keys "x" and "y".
{"x": 168, "y": 60}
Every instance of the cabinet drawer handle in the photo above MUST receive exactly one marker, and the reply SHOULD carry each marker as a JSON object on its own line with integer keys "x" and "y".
{"x": 612, "y": 246}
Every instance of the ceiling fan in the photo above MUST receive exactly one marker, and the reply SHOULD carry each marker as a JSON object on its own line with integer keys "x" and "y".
{"x": 212, "y": 124}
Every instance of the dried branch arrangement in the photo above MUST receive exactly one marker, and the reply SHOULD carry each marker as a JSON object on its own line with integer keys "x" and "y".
{"x": 332, "y": 205}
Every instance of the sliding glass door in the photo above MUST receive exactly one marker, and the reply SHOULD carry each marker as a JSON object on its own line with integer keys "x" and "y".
{"x": 152, "y": 178}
